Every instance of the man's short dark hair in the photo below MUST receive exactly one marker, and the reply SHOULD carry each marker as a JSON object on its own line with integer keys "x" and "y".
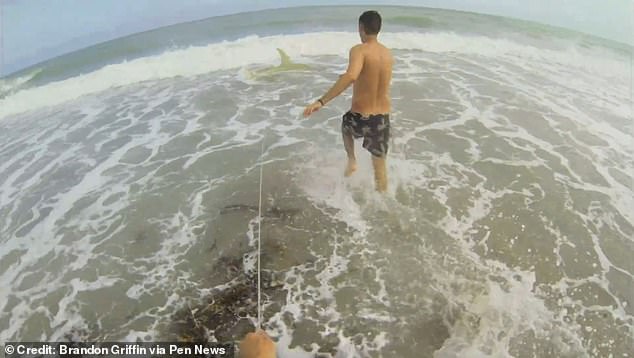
{"x": 371, "y": 21}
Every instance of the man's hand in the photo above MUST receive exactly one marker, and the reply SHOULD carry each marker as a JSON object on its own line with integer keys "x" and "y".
{"x": 311, "y": 108}
{"x": 257, "y": 345}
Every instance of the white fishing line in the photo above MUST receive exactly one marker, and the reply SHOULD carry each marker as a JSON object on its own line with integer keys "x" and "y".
{"x": 260, "y": 240}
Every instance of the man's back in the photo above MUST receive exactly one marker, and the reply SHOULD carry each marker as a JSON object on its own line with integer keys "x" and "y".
{"x": 371, "y": 92}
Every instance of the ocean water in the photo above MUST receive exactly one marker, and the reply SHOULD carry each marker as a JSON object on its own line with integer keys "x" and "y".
{"x": 130, "y": 181}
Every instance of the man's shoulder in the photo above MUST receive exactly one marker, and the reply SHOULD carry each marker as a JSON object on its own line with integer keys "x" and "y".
{"x": 386, "y": 49}
{"x": 387, "y": 52}
{"x": 356, "y": 48}
{"x": 357, "y": 51}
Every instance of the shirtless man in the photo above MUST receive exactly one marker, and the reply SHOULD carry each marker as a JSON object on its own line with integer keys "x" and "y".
{"x": 370, "y": 69}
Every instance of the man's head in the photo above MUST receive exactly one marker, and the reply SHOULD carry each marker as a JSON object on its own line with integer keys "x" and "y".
{"x": 369, "y": 24}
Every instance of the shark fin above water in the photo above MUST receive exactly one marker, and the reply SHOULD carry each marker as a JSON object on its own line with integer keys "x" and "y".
{"x": 284, "y": 58}
{"x": 286, "y": 65}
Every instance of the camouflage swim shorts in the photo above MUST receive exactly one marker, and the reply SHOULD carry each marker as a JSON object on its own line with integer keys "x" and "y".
{"x": 374, "y": 129}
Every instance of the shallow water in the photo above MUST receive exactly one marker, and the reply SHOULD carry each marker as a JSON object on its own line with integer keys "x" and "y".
{"x": 507, "y": 229}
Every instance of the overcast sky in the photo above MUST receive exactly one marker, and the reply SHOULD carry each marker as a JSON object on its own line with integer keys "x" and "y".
{"x": 34, "y": 30}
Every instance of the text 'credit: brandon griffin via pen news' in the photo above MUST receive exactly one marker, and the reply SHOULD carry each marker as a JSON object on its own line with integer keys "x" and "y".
{"x": 111, "y": 349}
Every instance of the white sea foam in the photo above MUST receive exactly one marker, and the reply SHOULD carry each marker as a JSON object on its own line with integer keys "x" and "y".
{"x": 225, "y": 55}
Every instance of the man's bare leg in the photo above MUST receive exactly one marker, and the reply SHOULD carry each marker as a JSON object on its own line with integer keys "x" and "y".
{"x": 348, "y": 143}
{"x": 380, "y": 173}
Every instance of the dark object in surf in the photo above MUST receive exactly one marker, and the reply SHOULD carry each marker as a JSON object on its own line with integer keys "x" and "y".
{"x": 227, "y": 314}
{"x": 223, "y": 316}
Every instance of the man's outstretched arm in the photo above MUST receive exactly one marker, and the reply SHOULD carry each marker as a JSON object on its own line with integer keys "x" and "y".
{"x": 355, "y": 65}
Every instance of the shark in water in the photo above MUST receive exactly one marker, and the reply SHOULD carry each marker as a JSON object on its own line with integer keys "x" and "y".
{"x": 286, "y": 65}
{"x": 10, "y": 86}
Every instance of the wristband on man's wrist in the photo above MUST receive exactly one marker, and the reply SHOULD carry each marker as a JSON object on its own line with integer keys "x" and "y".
{"x": 321, "y": 101}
